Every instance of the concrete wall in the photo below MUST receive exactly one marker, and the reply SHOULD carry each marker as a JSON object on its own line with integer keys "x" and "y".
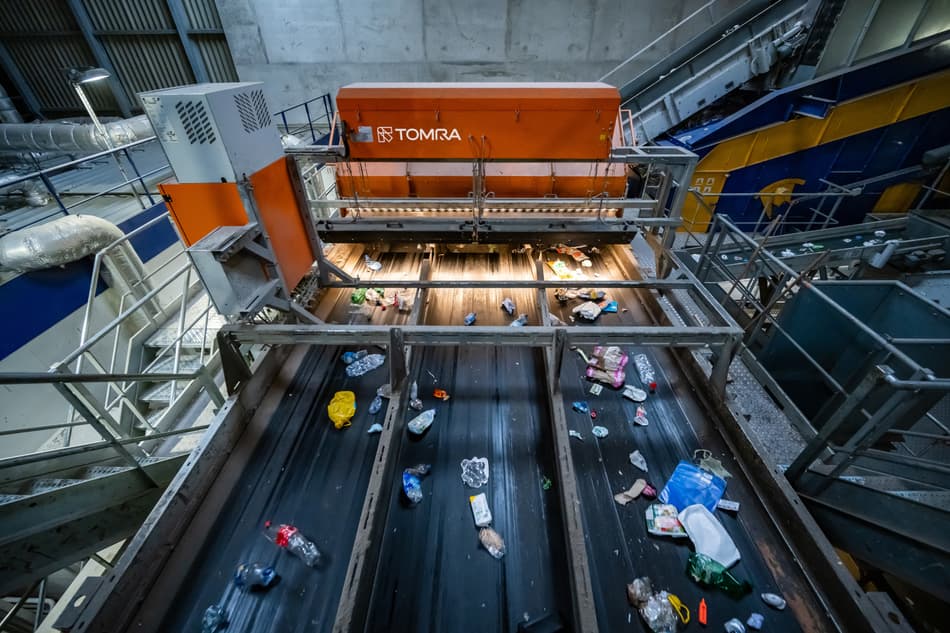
{"x": 303, "y": 48}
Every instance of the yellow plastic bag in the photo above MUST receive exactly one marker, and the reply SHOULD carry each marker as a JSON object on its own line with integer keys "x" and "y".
{"x": 342, "y": 408}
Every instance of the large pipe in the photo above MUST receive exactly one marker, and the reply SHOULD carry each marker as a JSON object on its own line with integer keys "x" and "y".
{"x": 73, "y": 237}
{"x": 72, "y": 137}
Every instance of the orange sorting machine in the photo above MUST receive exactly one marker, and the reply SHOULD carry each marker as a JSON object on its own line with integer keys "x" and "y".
{"x": 488, "y": 121}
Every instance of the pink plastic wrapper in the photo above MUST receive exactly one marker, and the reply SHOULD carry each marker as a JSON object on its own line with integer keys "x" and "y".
{"x": 614, "y": 378}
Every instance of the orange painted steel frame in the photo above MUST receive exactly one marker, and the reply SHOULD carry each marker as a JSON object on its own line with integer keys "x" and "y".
{"x": 198, "y": 209}
{"x": 490, "y": 121}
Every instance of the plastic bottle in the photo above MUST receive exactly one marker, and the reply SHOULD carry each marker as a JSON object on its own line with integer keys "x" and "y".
{"x": 371, "y": 263}
{"x": 349, "y": 358}
{"x": 289, "y": 538}
{"x": 375, "y": 405}
{"x": 508, "y": 306}
{"x": 364, "y": 365}
{"x": 412, "y": 481}
{"x": 254, "y": 575}
{"x": 645, "y": 371}
{"x": 470, "y": 318}
{"x": 520, "y": 321}
{"x": 214, "y": 619}
{"x": 414, "y": 402}
{"x": 706, "y": 571}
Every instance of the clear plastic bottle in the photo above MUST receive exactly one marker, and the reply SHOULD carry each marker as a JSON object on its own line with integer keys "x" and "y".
{"x": 349, "y": 358}
{"x": 364, "y": 365}
{"x": 289, "y": 538}
{"x": 214, "y": 619}
{"x": 254, "y": 575}
{"x": 645, "y": 371}
{"x": 376, "y": 405}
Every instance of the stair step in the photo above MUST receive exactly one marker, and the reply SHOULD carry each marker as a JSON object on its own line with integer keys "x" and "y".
{"x": 44, "y": 485}
{"x": 187, "y": 363}
{"x": 101, "y": 471}
{"x": 160, "y": 393}
{"x": 934, "y": 498}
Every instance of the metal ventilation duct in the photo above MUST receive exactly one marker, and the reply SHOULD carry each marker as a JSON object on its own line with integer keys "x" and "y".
{"x": 71, "y": 137}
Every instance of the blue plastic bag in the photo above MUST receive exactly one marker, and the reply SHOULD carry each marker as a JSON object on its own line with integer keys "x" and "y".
{"x": 691, "y": 484}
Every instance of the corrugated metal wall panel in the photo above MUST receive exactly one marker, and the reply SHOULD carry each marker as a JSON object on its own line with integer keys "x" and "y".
{"x": 36, "y": 17}
{"x": 217, "y": 58}
{"x": 120, "y": 15}
{"x": 202, "y": 14}
{"x": 148, "y": 63}
{"x": 139, "y": 37}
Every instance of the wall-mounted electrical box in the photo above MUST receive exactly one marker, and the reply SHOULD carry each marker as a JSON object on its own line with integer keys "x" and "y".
{"x": 214, "y": 132}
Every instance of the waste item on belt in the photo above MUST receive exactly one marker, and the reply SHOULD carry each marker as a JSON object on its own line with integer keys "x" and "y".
{"x": 572, "y": 251}
{"x": 214, "y": 619}
{"x": 375, "y": 405}
{"x": 645, "y": 371}
{"x": 755, "y": 621}
{"x": 638, "y": 460}
{"x": 726, "y": 504}
{"x": 591, "y": 294}
{"x": 691, "y": 484}
{"x": 365, "y": 365}
{"x": 733, "y": 625}
{"x": 634, "y": 393}
{"x": 475, "y": 472}
{"x": 774, "y": 600}
{"x": 289, "y": 538}
{"x": 640, "y": 419}
{"x": 546, "y": 483}
{"x": 628, "y": 495}
{"x": 589, "y": 311}
{"x": 375, "y": 428}
{"x": 708, "y": 535}
{"x": 419, "y": 424}
{"x": 703, "y": 612}
{"x": 508, "y": 305}
{"x": 415, "y": 403}
{"x": 412, "y": 481}
{"x": 599, "y": 432}
{"x": 375, "y": 295}
{"x": 611, "y": 307}
{"x": 349, "y": 358}
{"x": 596, "y": 389}
{"x": 520, "y": 321}
{"x": 580, "y": 407}
{"x": 614, "y": 378}
{"x": 372, "y": 264}
{"x": 560, "y": 295}
{"x": 608, "y": 358}
{"x": 662, "y": 520}
{"x": 441, "y": 394}
{"x": 358, "y": 296}
{"x": 576, "y": 435}
{"x": 654, "y": 607}
{"x": 492, "y": 542}
{"x": 481, "y": 513}
{"x": 248, "y": 575}
{"x": 708, "y": 572}
{"x": 555, "y": 321}
{"x": 470, "y": 318}
{"x": 681, "y": 610}
{"x": 342, "y": 408}
{"x": 706, "y": 461}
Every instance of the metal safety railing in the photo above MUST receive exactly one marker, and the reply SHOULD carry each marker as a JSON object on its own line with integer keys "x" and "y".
{"x": 117, "y": 360}
{"x": 311, "y": 119}
{"x": 132, "y": 182}
{"x": 849, "y": 430}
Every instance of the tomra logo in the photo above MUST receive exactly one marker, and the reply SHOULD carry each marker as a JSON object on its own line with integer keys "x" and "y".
{"x": 388, "y": 134}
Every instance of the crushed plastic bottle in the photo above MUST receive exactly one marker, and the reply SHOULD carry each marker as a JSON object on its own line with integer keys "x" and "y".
{"x": 470, "y": 318}
{"x": 508, "y": 306}
{"x": 633, "y": 393}
{"x": 755, "y": 621}
{"x": 475, "y": 472}
{"x": 250, "y": 575}
{"x": 733, "y": 626}
{"x": 375, "y": 428}
{"x": 289, "y": 538}
{"x": 412, "y": 481}
{"x": 349, "y": 358}
{"x": 520, "y": 321}
{"x": 421, "y": 422}
{"x": 372, "y": 264}
{"x": 645, "y": 371}
{"x": 365, "y": 365}
{"x": 638, "y": 460}
{"x": 580, "y": 407}
{"x": 658, "y": 613}
{"x": 492, "y": 541}
{"x": 214, "y": 619}
{"x": 706, "y": 571}
{"x": 599, "y": 432}
{"x": 375, "y": 405}
{"x": 588, "y": 310}
{"x": 774, "y": 600}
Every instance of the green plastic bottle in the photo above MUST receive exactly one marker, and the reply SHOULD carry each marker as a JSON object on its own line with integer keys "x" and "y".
{"x": 706, "y": 571}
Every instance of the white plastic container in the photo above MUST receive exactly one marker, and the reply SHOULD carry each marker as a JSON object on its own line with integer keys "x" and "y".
{"x": 480, "y": 510}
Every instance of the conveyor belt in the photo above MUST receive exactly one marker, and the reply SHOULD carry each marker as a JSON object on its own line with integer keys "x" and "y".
{"x": 432, "y": 574}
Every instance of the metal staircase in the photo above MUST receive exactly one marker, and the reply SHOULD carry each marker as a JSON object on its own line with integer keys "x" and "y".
{"x": 723, "y": 47}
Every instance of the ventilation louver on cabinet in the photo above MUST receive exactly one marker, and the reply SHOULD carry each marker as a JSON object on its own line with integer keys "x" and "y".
{"x": 194, "y": 118}
{"x": 253, "y": 110}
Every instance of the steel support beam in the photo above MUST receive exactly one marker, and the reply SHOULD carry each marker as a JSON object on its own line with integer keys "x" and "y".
{"x": 432, "y": 335}
{"x": 22, "y": 85}
{"x": 180, "y": 18}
